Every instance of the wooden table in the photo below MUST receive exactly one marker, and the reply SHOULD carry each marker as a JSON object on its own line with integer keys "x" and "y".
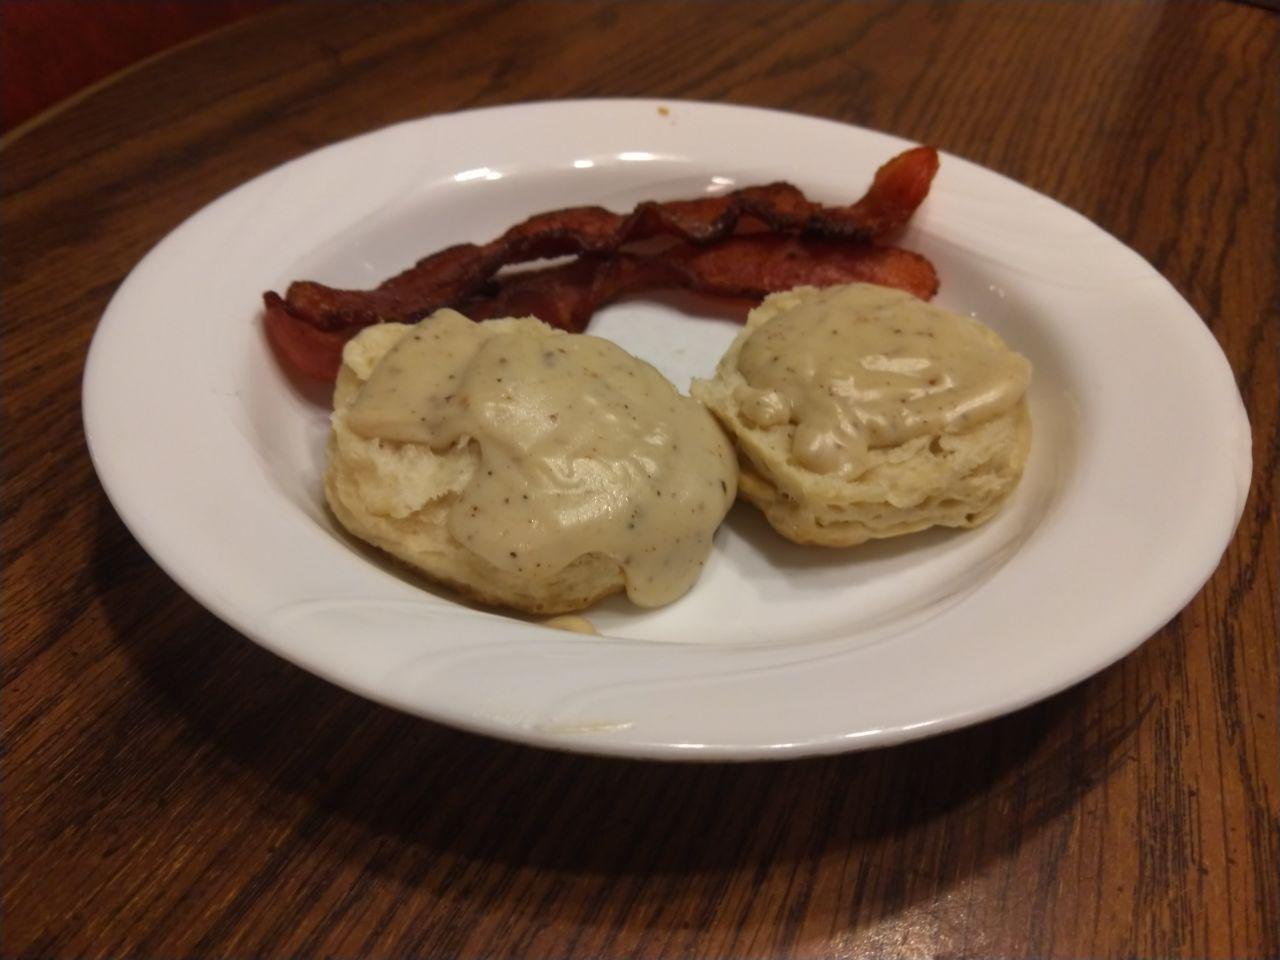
{"x": 172, "y": 790}
{"x": 54, "y": 48}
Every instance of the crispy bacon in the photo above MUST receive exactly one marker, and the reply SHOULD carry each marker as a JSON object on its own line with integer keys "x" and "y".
{"x": 566, "y": 296}
{"x": 899, "y": 187}
{"x": 747, "y": 243}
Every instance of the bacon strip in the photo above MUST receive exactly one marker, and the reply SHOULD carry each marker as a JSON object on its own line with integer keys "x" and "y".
{"x": 457, "y": 272}
{"x": 566, "y": 296}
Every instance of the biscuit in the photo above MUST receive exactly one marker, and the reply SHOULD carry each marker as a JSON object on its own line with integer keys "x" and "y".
{"x": 951, "y": 477}
{"x": 401, "y": 496}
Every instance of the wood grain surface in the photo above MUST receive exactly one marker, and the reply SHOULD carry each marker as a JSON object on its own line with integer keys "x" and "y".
{"x": 171, "y": 790}
{"x": 49, "y": 49}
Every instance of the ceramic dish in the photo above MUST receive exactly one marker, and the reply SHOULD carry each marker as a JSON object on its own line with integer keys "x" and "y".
{"x": 213, "y": 456}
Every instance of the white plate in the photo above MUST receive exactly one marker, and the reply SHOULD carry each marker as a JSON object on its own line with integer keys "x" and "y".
{"x": 1137, "y": 477}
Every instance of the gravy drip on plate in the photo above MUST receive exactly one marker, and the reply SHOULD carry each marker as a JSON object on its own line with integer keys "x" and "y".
{"x": 572, "y": 624}
{"x": 583, "y": 449}
{"x": 860, "y": 366}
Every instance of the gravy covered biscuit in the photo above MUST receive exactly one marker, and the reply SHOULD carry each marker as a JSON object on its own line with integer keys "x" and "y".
{"x": 861, "y": 412}
{"x": 525, "y": 466}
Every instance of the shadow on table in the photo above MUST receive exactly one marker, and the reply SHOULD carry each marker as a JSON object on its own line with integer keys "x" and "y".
{"x": 434, "y": 807}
